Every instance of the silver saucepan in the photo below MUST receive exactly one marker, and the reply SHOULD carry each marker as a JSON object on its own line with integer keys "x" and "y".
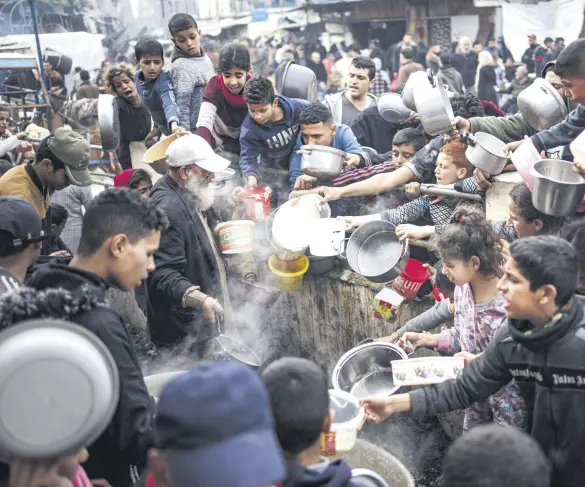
{"x": 321, "y": 161}
{"x": 486, "y": 152}
{"x": 434, "y": 107}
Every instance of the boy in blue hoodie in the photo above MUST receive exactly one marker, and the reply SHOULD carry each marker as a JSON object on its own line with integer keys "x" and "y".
{"x": 155, "y": 87}
{"x": 270, "y": 129}
{"x": 299, "y": 396}
{"x": 317, "y": 128}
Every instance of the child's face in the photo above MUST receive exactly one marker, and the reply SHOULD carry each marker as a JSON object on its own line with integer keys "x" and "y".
{"x": 124, "y": 87}
{"x": 234, "y": 80}
{"x": 151, "y": 65}
{"x": 188, "y": 40}
{"x": 519, "y": 301}
{"x": 522, "y": 227}
{"x": 57, "y": 230}
{"x": 458, "y": 271}
{"x": 575, "y": 88}
{"x": 4, "y": 122}
{"x": 447, "y": 172}
{"x": 263, "y": 114}
{"x": 402, "y": 154}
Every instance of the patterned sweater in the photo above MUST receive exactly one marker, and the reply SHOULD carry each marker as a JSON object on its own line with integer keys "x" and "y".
{"x": 189, "y": 75}
{"x": 440, "y": 213}
{"x": 474, "y": 327}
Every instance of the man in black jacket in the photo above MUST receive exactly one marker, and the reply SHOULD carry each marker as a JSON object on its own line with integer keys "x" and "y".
{"x": 528, "y": 57}
{"x": 542, "y": 347}
{"x": 189, "y": 269}
{"x": 119, "y": 235}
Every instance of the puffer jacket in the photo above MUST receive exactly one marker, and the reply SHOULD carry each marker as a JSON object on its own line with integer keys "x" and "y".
{"x": 563, "y": 133}
{"x": 549, "y": 367}
{"x": 60, "y": 291}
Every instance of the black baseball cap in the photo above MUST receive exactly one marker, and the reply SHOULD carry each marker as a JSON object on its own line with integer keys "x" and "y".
{"x": 20, "y": 225}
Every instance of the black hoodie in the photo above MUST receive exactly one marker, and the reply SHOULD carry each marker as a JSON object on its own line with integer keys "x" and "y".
{"x": 334, "y": 474}
{"x": 549, "y": 366}
{"x": 80, "y": 297}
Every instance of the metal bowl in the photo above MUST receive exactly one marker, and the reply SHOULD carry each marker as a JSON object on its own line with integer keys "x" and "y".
{"x": 557, "y": 190}
{"x": 109, "y": 122}
{"x": 321, "y": 161}
{"x": 366, "y": 370}
{"x": 392, "y": 109}
{"x": 59, "y": 388}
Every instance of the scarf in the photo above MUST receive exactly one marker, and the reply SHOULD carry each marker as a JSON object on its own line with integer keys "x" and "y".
{"x": 237, "y": 101}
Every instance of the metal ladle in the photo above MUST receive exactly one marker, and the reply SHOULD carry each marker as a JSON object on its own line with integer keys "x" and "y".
{"x": 234, "y": 348}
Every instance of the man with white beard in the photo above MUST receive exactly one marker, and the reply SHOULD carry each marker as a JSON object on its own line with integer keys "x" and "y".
{"x": 190, "y": 276}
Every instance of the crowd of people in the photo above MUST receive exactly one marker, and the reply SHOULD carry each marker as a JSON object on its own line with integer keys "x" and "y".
{"x": 513, "y": 306}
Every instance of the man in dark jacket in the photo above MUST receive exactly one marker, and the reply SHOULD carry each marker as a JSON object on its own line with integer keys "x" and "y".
{"x": 528, "y": 57}
{"x": 392, "y": 60}
{"x": 465, "y": 61}
{"x": 189, "y": 270}
{"x": 542, "y": 347}
{"x": 119, "y": 236}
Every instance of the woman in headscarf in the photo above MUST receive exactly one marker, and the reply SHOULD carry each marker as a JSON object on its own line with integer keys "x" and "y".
{"x": 486, "y": 79}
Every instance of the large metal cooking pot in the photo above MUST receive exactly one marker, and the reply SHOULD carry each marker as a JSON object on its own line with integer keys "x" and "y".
{"x": 299, "y": 82}
{"x": 109, "y": 122}
{"x": 486, "y": 152}
{"x": 224, "y": 182}
{"x": 366, "y": 370}
{"x": 557, "y": 190}
{"x": 541, "y": 105}
{"x": 321, "y": 161}
{"x": 366, "y": 455}
{"x": 374, "y": 251}
{"x": 392, "y": 109}
{"x": 434, "y": 107}
{"x": 415, "y": 81}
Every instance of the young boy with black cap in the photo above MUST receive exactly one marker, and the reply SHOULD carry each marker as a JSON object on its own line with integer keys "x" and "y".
{"x": 21, "y": 237}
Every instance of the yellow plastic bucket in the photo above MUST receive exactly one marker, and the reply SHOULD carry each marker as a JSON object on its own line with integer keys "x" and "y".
{"x": 289, "y": 274}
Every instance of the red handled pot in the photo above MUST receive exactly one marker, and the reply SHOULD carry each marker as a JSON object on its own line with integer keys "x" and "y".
{"x": 236, "y": 237}
{"x": 414, "y": 275}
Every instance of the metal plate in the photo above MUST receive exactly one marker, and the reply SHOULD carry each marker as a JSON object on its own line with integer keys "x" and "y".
{"x": 46, "y": 367}
{"x": 109, "y": 120}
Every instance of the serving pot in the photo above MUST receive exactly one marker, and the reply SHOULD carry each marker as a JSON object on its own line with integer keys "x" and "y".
{"x": 299, "y": 82}
{"x": 109, "y": 122}
{"x": 224, "y": 182}
{"x": 320, "y": 265}
{"x": 392, "y": 108}
{"x": 321, "y": 161}
{"x": 46, "y": 366}
{"x": 557, "y": 190}
{"x": 541, "y": 105}
{"x": 486, "y": 152}
{"x": 366, "y": 370}
{"x": 434, "y": 107}
{"x": 374, "y": 251}
{"x": 416, "y": 80}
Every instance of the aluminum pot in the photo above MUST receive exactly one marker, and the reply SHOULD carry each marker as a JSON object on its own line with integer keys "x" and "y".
{"x": 109, "y": 122}
{"x": 321, "y": 265}
{"x": 366, "y": 370}
{"x": 486, "y": 152}
{"x": 434, "y": 107}
{"x": 299, "y": 82}
{"x": 392, "y": 109}
{"x": 224, "y": 182}
{"x": 321, "y": 161}
{"x": 415, "y": 81}
{"x": 557, "y": 190}
{"x": 374, "y": 251}
{"x": 541, "y": 105}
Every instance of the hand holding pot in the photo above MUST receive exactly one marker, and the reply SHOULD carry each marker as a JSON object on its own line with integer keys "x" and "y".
{"x": 351, "y": 160}
{"x": 305, "y": 182}
{"x": 210, "y": 307}
{"x": 462, "y": 124}
{"x": 377, "y": 409}
{"x": 327, "y": 194}
{"x": 481, "y": 178}
{"x": 412, "y": 190}
{"x": 579, "y": 168}
{"x": 514, "y": 145}
{"x": 420, "y": 340}
{"x": 389, "y": 339}
{"x": 408, "y": 231}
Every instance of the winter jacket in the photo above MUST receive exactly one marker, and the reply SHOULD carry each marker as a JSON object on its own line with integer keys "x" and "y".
{"x": 62, "y": 291}
{"x": 453, "y": 79}
{"x": 487, "y": 82}
{"x": 507, "y": 129}
{"x": 135, "y": 125}
{"x": 466, "y": 64}
{"x": 371, "y": 130}
{"x": 185, "y": 258}
{"x": 189, "y": 75}
{"x": 7, "y": 281}
{"x": 563, "y": 133}
{"x": 516, "y": 88}
{"x": 274, "y": 140}
{"x": 335, "y": 104}
{"x": 159, "y": 97}
{"x": 325, "y": 474}
{"x": 528, "y": 58}
{"x": 548, "y": 364}
{"x": 343, "y": 140}
{"x": 392, "y": 59}
{"x": 539, "y": 60}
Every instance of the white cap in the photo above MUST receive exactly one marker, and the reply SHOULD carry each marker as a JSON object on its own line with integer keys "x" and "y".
{"x": 192, "y": 149}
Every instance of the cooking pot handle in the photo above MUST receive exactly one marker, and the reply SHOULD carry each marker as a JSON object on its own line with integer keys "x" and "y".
{"x": 431, "y": 78}
{"x": 367, "y": 340}
{"x": 469, "y": 139}
{"x": 543, "y": 88}
{"x": 304, "y": 151}
{"x": 340, "y": 251}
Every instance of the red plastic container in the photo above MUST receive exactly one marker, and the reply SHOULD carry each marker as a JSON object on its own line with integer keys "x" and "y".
{"x": 257, "y": 203}
{"x": 412, "y": 278}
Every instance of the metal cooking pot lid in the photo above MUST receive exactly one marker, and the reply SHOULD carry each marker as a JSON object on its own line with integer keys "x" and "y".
{"x": 58, "y": 388}
{"x": 109, "y": 122}
{"x": 224, "y": 175}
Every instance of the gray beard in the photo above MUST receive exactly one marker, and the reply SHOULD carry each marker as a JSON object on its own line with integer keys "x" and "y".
{"x": 202, "y": 196}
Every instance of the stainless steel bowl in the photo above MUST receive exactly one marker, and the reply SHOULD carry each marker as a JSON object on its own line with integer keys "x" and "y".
{"x": 557, "y": 190}
{"x": 392, "y": 109}
{"x": 321, "y": 161}
{"x": 366, "y": 370}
